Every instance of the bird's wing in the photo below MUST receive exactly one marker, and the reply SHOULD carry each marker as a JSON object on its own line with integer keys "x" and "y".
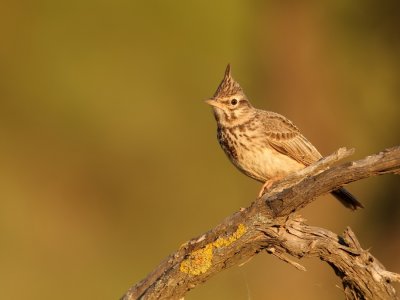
{"x": 286, "y": 138}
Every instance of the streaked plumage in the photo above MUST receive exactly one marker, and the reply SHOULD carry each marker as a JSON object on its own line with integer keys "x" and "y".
{"x": 262, "y": 144}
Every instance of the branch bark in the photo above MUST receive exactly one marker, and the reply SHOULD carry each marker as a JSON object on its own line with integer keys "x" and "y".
{"x": 271, "y": 224}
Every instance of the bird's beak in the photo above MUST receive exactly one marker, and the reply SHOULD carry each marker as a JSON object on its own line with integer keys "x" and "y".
{"x": 214, "y": 103}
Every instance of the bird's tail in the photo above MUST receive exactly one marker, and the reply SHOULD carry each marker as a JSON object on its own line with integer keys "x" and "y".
{"x": 347, "y": 199}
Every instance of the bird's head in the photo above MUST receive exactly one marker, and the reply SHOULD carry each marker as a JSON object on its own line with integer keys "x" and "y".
{"x": 230, "y": 104}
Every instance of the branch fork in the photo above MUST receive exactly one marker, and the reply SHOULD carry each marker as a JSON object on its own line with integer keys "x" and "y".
{"x": 271, "y": 224}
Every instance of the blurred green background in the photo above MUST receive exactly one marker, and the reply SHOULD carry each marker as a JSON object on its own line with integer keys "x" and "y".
{"x": 109, "y": 158}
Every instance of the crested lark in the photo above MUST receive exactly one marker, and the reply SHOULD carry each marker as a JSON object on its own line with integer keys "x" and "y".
{"x": 263, "y": 145}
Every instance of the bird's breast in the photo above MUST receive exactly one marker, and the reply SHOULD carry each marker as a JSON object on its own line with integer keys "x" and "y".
{"x": 251, "y": 153}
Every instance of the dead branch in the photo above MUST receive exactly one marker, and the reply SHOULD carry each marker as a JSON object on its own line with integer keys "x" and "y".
{"x": 270, "y": 224}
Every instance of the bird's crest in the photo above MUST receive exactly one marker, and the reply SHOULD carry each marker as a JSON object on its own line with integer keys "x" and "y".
{"x": 228, "y": 85}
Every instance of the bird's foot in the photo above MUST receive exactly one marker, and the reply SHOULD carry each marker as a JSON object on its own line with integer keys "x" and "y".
{"x": 267, "y": 185}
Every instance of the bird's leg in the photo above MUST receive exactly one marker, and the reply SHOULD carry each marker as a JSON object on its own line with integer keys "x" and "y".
{"x": 268, "y": 184}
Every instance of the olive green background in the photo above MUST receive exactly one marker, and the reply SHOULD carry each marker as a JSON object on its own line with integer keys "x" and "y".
{"x": 108, "y": 155}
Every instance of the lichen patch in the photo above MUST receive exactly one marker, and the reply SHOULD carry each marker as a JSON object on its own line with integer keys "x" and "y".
{"x": 199, "y": 261}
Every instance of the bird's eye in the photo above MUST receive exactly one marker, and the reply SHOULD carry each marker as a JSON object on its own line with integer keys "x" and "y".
{"x": 234, "y": 101}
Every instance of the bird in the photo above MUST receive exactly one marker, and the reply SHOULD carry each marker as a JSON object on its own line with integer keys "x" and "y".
{"x": 264, "y": 145}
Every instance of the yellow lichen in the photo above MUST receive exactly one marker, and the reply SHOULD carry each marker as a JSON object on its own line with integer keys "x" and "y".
{"x": 223, "y": 242}
{"x": 200, "y": 261}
